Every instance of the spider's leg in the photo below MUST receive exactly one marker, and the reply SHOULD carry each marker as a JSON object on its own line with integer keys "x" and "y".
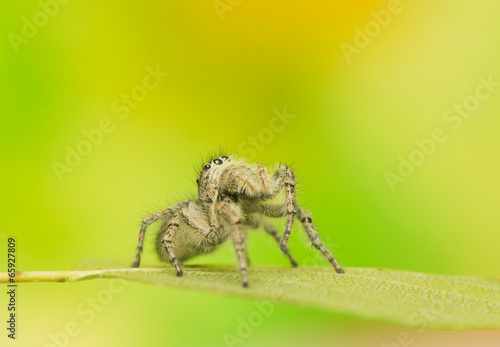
{"x": 166, "y": 241}
{"x": 284, "y": 177}
{"x": 232, "y": 215}
{"x": 271, "y": 230}
{"x": 247, "y": 258}
{"x": 146, "y": 222}
{"x": 306, "y": 221}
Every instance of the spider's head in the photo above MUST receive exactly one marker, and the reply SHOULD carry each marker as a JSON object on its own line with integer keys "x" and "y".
{"x": 209, "y": 177}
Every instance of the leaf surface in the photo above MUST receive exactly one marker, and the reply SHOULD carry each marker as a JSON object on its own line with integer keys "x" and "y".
{"x": 400, "y": 297}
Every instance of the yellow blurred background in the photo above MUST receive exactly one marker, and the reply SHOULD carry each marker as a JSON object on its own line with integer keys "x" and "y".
{"x": 106, "y": 109}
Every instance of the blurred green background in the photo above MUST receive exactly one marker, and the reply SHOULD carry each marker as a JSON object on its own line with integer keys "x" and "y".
{"x": 361, "y": 94}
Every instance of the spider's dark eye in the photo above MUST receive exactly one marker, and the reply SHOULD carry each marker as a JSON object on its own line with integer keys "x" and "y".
{"x": 206, "y": 167}
{"x": 224, "y": 157}
{"x": 217, "y": 161}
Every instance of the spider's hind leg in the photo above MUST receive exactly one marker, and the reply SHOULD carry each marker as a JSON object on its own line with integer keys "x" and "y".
{"x": 146, "y": 222}
{"x": 306, "y": 221}
{"x": 166, "y": 241}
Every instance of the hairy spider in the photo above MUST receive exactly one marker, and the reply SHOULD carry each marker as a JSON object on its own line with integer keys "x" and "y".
{"x": 232, "y": 197}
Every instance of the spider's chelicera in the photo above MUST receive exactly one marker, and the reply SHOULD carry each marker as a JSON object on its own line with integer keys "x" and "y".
{"x": 232, "y": 197}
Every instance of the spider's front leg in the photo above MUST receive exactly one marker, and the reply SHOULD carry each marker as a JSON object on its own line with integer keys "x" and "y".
{"x": 231, "y": 213}
{"x": 285, "y": 178}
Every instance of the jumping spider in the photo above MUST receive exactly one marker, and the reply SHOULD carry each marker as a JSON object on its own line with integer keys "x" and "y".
{"x": 232, "y": 197}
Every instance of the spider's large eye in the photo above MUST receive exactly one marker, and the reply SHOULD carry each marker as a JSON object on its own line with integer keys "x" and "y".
{"x": 206, "y": 167}
{"x": 217, "y": 161}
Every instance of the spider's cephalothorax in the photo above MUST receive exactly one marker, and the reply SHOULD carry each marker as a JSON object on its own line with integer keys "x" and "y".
{"x": 232, "y": 197}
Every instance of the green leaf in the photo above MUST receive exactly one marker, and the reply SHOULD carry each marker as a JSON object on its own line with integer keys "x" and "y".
{"x": 401, "y": 297}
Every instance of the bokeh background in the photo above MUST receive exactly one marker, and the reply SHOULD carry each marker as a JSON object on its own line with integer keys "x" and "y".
{"x": 230, "y": 65}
